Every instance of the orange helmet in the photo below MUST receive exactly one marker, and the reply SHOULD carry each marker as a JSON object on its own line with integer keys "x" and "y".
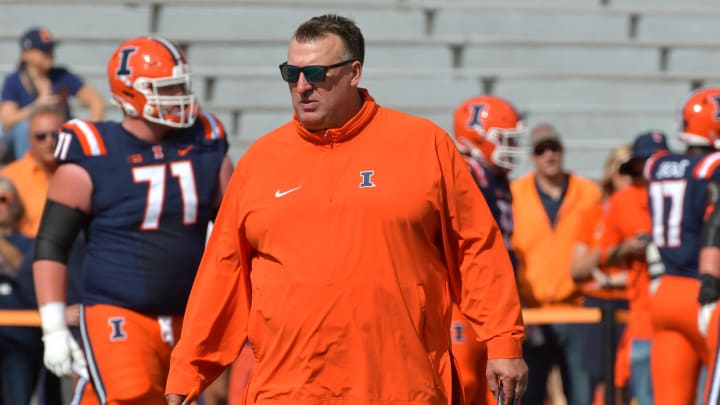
{"x": 138, "y": 71}
{"x": 700, "y": 121}
{"x": 489, "y": 128}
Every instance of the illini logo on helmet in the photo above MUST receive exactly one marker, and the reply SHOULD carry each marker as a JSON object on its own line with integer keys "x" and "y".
{"x": 124, "y": 68}
{"x": 475, "y": 111}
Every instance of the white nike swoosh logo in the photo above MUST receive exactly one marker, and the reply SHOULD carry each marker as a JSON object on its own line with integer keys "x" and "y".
{"x": 279, "y": 193}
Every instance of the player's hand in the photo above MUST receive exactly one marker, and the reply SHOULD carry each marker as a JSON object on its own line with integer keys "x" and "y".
{"x": 175, "y": 399}
{"x": 704, "y": 316}
{"x": 509, "y": 374}
{"x": 635, "y": 246}
{"x": 62, "y": 354}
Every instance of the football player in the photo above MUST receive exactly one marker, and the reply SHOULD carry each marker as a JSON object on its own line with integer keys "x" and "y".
{"x": 708, "y": 298}
{"x": 144, "y": 190}
{"x": 679, "y": 197}
{"x": 489, "y": 134}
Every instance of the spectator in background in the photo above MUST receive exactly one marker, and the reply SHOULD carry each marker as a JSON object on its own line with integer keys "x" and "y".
{"x": 20, "y": 347}
{"x": 601, "y": 285}
{"x": 31, "y": 173}
{"x": 625, "y": 239}
{"x": 548, "y": 205}
{"x": 38, "y": 82}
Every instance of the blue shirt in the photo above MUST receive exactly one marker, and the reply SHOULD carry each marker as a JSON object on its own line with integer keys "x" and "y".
{"x": 63, "y": 82}
{"x": 551, "y": 205}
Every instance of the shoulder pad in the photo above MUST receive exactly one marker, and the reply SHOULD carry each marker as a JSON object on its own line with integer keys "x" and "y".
{"x": 212, "y": 126}
{"x": 79, "y": 138}
{"x": 707, "y": 167}
{"x": 478, "y": 172}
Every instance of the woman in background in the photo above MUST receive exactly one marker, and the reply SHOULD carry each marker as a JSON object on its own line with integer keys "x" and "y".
{"x": 38, "y": 81}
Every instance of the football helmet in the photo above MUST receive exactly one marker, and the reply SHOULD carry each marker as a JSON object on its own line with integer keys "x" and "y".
{"x": 700, "y": 118}
{"x": 145, "y": 74}
{"x": 489, "y": 128}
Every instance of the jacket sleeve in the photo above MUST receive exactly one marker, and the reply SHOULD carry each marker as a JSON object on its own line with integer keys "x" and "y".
{"x": 481, "y": 275}
{"x": 215, "y": 322}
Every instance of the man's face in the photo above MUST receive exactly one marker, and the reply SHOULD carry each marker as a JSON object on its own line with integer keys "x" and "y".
{"x": 42, "y": 138}
{"x": 548, "y": 158}
{"x": 326, "y": 104}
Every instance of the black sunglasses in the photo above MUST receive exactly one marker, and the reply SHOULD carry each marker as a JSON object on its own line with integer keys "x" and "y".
{"x": 41, "y": 136}
{"x": 313, "y": 73}
{"x": 551, "y": 146}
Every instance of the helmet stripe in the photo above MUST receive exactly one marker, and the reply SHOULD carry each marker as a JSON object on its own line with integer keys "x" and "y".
{"x": 172, "y": 48}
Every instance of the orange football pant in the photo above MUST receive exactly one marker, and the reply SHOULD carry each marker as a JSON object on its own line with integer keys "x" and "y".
{"x": 678, "y": 349}
{"x": 712, "y": 384}
{"x": 471, "y": 358}
{"x": 128, "y": 355}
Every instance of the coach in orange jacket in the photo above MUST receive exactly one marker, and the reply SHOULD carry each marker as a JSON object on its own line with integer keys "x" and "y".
{"x": 340, "y": 261}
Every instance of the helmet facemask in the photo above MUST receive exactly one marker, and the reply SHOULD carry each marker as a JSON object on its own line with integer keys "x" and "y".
{"x": 509, "y": 152}
{"x": 177, "y": 111}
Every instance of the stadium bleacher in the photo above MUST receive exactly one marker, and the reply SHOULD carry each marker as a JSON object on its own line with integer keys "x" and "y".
{"x": 600, "y": 70}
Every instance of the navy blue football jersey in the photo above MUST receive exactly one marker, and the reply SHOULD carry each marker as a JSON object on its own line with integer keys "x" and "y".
{"x": 496, "y": 190}
{"x": 151, "y": 205}
{"x": 678, "y": 200}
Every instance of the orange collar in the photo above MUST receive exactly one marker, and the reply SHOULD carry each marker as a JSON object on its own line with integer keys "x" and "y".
{"x": 351, "y": 128}
{"x": 34, "y": 165}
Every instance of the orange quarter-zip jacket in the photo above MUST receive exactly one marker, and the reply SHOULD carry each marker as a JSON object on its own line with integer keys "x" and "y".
{"x": 338, "y": 254}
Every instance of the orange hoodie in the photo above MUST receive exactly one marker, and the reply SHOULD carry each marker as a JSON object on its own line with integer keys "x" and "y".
{"x": 338, "y": 263}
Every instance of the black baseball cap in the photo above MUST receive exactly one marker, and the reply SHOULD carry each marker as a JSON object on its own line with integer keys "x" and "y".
{"x": 37, "y": 38}
{"x": 647, "y": 143}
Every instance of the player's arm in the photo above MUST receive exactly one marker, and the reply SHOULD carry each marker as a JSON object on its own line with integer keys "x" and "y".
{"x": 67, "y": 206}
{"x": 710, "y": 258}
{"x": 709, "y": 263}
{"x": 64, "y": 215}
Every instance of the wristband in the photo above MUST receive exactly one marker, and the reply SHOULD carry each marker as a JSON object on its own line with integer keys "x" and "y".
{"x": 52, "y": 316}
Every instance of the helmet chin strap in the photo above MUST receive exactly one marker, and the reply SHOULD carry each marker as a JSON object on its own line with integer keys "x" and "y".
{"x": 127, "y": 108}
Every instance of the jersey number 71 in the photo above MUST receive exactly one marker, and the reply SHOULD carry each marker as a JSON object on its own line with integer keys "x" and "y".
{"x": 155, "y": 175}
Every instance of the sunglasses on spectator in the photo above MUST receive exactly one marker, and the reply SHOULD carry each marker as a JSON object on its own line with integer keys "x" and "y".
{"x": 313, "y": 73}
{"x": 543, "y": 147}
{"x": 5, "y": 198}
{"x": 41, "y": 136}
